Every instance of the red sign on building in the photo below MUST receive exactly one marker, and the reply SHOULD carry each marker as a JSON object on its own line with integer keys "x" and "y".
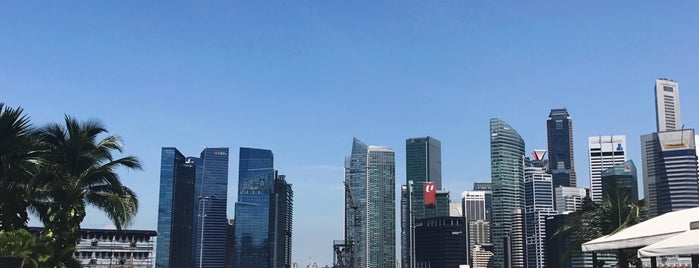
{"x": 430, "y": 195}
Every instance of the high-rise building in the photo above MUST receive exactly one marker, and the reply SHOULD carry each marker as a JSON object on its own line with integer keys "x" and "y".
{"x": 559, "y": 130}
{"x": 211, "y": 195}
{"x": 670, "y": 171}
{"x": 667, "y": 105}
{"x": 455, "y": 209}
{"x": 176, "y": 209}
{"x": 517, "y": 247}
{"x": 538, "y": 207}
{"x": 568, "y": 199}
{"x": 370, "y": 205}
{"x": 440, "y": 242}
{"x": 482, "y": 256}
{"x": 604, "y": 152}
{"x": 621, "y": 177}
{"x": 423, "y": 163}
{"x": 263, "y": 213}
{"x": 193, "y": 194}
{"x": 474, "y": 211}
{"x": 487, "y": 188}
{"x": 507, "y": 171}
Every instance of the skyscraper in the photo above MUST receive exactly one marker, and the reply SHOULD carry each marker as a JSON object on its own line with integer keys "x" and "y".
{"x": 559, "y": 130}
{"x": 604, "y": 152}
{"x": 175, "y": 210}
{"x": 517, "y": 247}
{"x": 667, "y": 105}
{"x": 211, "y": 197}
{"x": 440, "y": 242}
{"x": 423, "y": 158}
{"x": 487, "y": 188}
{"x": 621, "y": 177}
{"x": 670, "y": 176}
{"x": 568, "y": 199}
{"x": 507, "y": 171}
{"x": 538, "y": 207}
{"x": 474, "y": 211}
{"x": 370, "y": 205}
{"x": 263, "y": 213}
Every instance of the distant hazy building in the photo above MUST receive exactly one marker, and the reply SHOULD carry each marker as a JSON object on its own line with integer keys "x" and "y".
{"x": 175, "y": 210}
{"x": 440, "y": 242}
{"x": 507, "y": 171}
{"x": 263, "y": 213}
{"x": 538, "y": 206}
{"x": 559, "y": 129}
{"x": 569, "y": 199}
{"x": 670, "y": 171}
{"x": 667, "y": 105}
{"x": 370, "y": 205}
{"x": 621, "y": 177}
{"x": 604, "y": 152}
{"x": 455, "y": 209}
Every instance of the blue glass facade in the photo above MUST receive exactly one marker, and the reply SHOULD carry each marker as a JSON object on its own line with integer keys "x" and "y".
{"x": 210, "y": 199}
{"x": 252, "y": 211}
{"x": 559, "y": 129}
{"x": 175, "y": 210}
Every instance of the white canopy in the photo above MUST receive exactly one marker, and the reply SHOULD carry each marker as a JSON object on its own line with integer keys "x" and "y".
{"x": 645, "y": 233}
{"x": 686, "y": 243}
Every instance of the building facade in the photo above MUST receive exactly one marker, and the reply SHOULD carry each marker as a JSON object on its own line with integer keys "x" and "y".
{"x": 620, "y": 178}
{"x": 370, "y": 205}
{"x": 517, "y": 243}
{"x": 507, "y": 171}
{"x": 670, "y": 171}
{"x": 100, "y": 248}
{"x": 440, "y": 242}
{"x": 667, "y": 105}
{"x": 488, "y": 189}
{"x": 538, "y": 207}
{"x": 175, "y": 210}
{"x": 569, "y": 199}
{"x": 559, "y": 132}
{"x": 423, "y": 163}
{"x": 604, "y": 152}
{"x": 211, "y": 221}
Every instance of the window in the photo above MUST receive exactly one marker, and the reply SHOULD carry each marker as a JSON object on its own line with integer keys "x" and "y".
{"x": 668, "y": 89}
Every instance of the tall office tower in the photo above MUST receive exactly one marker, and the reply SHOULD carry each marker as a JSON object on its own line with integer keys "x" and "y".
{"x": 517, "y": 247}
{"x": 621, "y": 177}
{"x": 507, "y": 171}
{"x": 263, "y": 213}
{"x": 487, "y": 188}
{"x": 604, "y": 152}
{"x": 538, "y": 207}
{"x": 479, "y": 233}
{"x": 670, "y": 171}
{"x": 423, "y": 158}
{"x": 482, "y": 256}
{"x": 405, "y": 230}
{"x": 667, "y": 105}
{"x": 473, "y": 206}
{"x": 211, "y": 195}
{"x": 559, "y": 130}
{"x": 569, "y": 199}
{"x": 440, "y": 242}
{"x": 175, "y": 210}
{"x": 370, "y": 205}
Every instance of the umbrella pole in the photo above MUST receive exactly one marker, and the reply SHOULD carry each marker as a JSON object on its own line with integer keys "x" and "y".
{"x": 653, "y": 262}
{"x": 695, "y": 261}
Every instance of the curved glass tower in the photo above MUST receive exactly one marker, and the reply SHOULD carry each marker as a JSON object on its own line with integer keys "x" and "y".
{"x": 507, "y": 173}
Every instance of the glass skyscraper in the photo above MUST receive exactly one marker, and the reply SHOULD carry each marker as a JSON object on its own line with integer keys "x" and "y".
{"x": 211, "y": 195}
{"x": 559, "y": 130}
{"x": 263, "y": 213}
{"x": 175, "y": 210}
{"x": 423, "y": 157}
{"x": 538, "y": 207}
{"x": 507, "y": 171}
{"x": 370, "y": 206}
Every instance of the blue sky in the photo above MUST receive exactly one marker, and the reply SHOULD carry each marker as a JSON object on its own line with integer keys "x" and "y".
{"x": 303, "y": 77}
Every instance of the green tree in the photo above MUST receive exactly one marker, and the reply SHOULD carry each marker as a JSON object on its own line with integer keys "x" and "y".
{"x": 22, "y": 244}
{"x": 17, "y": 162}
{"x": 612, "y": 214}
{"x": 78, "y": 169}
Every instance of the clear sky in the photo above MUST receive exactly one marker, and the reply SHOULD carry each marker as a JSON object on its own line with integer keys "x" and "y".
{"x": 303, "y": 77}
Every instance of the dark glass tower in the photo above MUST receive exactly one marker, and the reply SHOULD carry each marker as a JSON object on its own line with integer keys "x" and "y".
{"x": 507, "y": 171}
{"x": 559, "y": 129}
{"x": 175, "y": 210}
{"x": 212, "y": 198}
{"x": 621, "y": 178}
{"x": 423, "y": 157}
{"x": 263, "y": 213}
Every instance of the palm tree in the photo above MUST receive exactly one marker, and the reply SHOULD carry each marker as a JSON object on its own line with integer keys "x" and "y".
{"x": 23, "y": 245}
{"x": 78, "y": 169}
{"x": 17, "y": 161}
{"x": 612, "y": 214}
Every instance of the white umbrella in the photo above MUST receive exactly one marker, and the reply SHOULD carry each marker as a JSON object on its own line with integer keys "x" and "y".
{"x": 686, "y": 243}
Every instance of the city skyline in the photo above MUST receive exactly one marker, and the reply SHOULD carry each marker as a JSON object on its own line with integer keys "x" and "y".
{"x": 302, "y": 79}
